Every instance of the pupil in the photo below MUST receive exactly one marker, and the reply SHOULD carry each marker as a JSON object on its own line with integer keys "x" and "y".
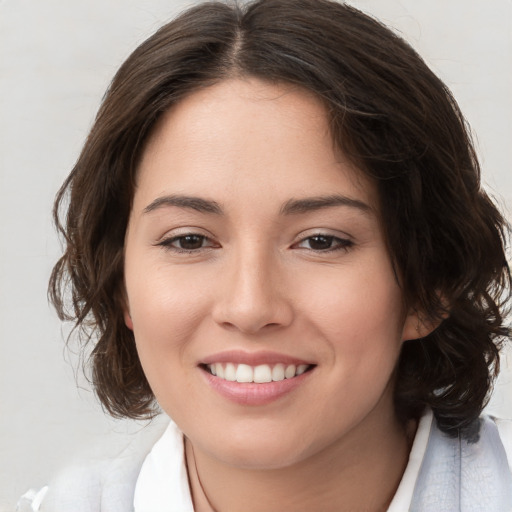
{"x": 190, "y": 242}
{"x": 320, "y": 242}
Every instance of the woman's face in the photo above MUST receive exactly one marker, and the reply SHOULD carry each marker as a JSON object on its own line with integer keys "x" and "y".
{"x": 255, "y": 252}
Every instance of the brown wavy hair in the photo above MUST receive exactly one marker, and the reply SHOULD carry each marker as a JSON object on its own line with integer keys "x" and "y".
{"x": 389, "y": 114}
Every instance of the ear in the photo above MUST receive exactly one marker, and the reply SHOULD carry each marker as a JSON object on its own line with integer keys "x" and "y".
{"x": 418, "y": 325}
{"x": 128, "y": 319}
{"x": 126, "y": 311}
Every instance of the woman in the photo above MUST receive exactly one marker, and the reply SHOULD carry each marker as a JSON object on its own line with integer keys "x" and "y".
{"x": 276, "y": 232}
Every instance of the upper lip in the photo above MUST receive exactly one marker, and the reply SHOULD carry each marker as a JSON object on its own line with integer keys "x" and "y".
{"x": 252, "y": 358}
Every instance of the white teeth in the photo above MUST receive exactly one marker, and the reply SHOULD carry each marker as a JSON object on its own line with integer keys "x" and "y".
{"x": 262, "y": 373}
{"x": 301, "y": 369}
{"x": 290, "y": 371}
{"x": 244, "y": 373}
{"x": 278, "y": 372}
{"x": 219, "y": 370}
{"x": 259, "y": 374}
{"x": 230, "y": 372}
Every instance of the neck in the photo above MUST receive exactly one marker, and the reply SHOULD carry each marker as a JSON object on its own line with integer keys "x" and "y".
{"x": 360, "y": 472}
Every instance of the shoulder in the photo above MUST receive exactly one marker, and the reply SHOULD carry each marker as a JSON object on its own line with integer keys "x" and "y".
{"x": 505, "y": 431}
{"x": 77, "y": 488}
{"x": 95, "y": 483}
{"x": 466, "y": 474}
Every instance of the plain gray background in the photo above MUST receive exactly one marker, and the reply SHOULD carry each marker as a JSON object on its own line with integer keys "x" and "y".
{"x": 56, "y": 60}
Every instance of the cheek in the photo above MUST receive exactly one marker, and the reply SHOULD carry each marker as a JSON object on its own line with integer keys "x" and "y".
{"x": 166, "y": 307}
{"x": 359, "y": 317}
{"x": 356, "y": 308}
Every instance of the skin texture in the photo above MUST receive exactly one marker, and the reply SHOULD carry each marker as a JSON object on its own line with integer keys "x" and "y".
{"x": 256, "y": 282}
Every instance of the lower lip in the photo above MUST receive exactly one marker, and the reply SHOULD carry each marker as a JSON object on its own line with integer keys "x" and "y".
{"x": 250, "y": 393}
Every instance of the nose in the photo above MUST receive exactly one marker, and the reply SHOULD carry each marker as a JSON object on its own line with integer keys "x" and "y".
{"x": 252, "y": 295}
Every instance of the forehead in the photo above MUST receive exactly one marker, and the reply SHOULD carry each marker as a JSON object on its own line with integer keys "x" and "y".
{"x": 248, "y": 135}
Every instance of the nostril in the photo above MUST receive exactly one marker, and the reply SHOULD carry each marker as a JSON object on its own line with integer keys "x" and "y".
{"x": 229, "y": 326}
{"x": 240, "y": 313}
{"x": 250, "y": 329}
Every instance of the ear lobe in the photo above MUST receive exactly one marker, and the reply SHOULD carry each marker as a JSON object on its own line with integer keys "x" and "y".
{"x": 128, "y": 319}
{"x": 123, "y": 304}
{"x": 417, "y": 325}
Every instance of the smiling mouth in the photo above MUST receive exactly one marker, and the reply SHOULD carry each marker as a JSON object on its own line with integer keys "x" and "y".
{"x": 260, "y": 374}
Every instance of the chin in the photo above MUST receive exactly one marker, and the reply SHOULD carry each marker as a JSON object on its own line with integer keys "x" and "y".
{"x": 258, "y": 451}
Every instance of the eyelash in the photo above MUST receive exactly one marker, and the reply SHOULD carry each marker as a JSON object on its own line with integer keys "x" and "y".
{"x": 167, "y": 243}
{"x": 341, "y": 244}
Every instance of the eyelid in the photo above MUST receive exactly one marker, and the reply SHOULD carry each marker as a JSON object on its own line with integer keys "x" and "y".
{"x": 174, "y": 235}
{"x": 344, "y": 241}
{"x": 341, "y": 235}
{"x": 184, "y": 231}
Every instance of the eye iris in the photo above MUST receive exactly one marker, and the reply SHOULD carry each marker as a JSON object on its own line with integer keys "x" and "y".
{"x": 319, "y": 242}
{"x": 190, "y": 242}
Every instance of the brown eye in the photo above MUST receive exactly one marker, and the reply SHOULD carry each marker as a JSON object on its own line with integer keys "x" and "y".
{"x": 324, "y": 243}
{"x": 189, "y": 242}
{"x": 320, "y": 242}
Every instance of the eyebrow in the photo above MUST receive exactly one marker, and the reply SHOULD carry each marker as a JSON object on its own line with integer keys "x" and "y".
{"x": 291, "y": 207}
{"x": 193, "y": 203}
{"x": 309, "y": 204}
